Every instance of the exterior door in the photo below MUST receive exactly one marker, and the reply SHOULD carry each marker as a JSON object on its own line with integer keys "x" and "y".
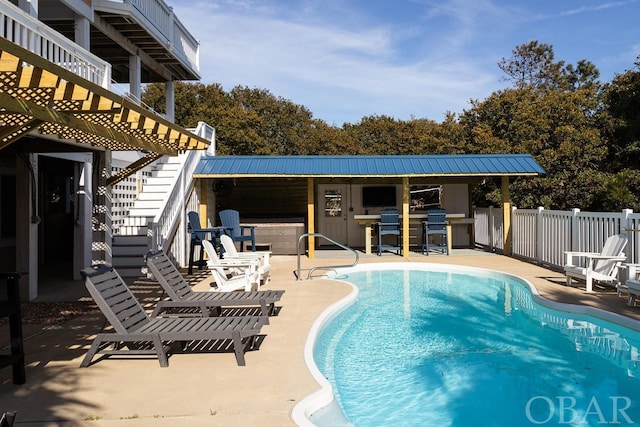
{"x": 332, "y": 204}
{"x": 58, "y": 212}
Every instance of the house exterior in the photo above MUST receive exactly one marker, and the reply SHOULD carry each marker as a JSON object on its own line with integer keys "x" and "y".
{"x": 62, "y": 124}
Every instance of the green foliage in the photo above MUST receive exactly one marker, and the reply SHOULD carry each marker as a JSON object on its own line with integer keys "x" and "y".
{"x": 584, "y": 134}
{"x": 618, "y": 192}
{"x": 622, "y": 122}
{"x": 386, "y": 135}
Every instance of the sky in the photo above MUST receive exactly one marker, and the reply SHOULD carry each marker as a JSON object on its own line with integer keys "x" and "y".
{"x": 345, "y": 60}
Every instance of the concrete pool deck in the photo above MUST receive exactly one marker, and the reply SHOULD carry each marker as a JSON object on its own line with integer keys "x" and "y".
{"x": 209, "y": 388}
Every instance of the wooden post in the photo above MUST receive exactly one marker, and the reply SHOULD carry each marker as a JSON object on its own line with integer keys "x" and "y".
{"x": 202, "y": 208}
{"x": 506, "y": 216}
{"x": 311, "y": 218}
{"x": 405, "y": 216}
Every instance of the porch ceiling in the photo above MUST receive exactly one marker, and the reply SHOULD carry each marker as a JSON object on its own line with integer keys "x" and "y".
{"x": 38, "y": 94}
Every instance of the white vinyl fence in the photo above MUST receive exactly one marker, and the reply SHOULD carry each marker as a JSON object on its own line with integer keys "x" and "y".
{"x": 542, "y": 236}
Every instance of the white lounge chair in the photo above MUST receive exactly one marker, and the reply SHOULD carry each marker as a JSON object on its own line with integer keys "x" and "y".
{"x": 601, "y": 267}
{"x": 262, "y": 257}
{"x": 242, "y": 274}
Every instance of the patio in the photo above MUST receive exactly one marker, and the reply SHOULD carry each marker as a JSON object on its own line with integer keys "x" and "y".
{"x": 206, "y": 388}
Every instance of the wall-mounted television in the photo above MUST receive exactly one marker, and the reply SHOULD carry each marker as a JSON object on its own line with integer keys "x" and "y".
{"x": 379, "y": 197}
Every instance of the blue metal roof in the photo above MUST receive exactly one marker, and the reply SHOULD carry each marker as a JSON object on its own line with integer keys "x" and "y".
{"x": 367, "y": 166}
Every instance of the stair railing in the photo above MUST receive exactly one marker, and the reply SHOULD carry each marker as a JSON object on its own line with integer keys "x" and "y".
{"x": 168, "y": 228}
{"x": 323, "y": 267}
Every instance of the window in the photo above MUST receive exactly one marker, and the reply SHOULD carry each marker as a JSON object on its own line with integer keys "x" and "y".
{"x": 424, "y": 197}
{"x": 333, "y": 203}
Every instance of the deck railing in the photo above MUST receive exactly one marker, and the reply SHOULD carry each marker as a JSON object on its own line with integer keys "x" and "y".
{"x": 166, "y": 26}
{"x": 543, "y": 236}
{"x": 30, "y": 33}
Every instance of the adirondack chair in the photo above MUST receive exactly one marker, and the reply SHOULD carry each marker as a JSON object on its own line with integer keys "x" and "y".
{"x": 389, "y": 224}
{"x": 182, "y": 296}
{"x": 198, "y": 234}
{"x": 231, "y": 275}
{"x": 601, "y": 267}
{"x": 435, "y": 225}
{"x": 631, "y": 286}
{"x": 262, "y": 257}
{"x": 230, "y": 220}
{"x": 135, "y": 333}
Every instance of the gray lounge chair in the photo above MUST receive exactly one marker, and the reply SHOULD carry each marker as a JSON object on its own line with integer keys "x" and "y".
{"x": 143, "y": 335}
{"x": 182, "y": 296}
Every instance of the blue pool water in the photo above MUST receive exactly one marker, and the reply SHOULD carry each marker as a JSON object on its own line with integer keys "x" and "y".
{"x": 439, "y": 348}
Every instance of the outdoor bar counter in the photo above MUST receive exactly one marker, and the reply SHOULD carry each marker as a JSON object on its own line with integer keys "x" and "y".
{"x": 369, "y": 220}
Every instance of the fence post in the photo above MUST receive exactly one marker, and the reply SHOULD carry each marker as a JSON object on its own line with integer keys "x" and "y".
{"x": 575, "y": 233}
{"x": 625, "y": 224}
{"x": 538, "y": 235}
{"x": 626, "y": 227}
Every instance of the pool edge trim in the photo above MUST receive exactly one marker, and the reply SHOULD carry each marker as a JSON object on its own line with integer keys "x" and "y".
{"x": 324, "y": 396}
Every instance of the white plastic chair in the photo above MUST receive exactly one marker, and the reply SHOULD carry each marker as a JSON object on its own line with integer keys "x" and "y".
{"x": 262, "y": 257}
{"x": 242, "y": 273}
{"x": 602, "y": 267}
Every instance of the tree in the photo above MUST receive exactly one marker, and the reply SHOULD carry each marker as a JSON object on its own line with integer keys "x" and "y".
{"x": 249, "y": 121}
{"x": 585, "y": 135}
{"x": 622, "y": 121}
{"x": 391, "y": 136}
{"x": 532, "y": 64}
{"x": 556, "y": 128}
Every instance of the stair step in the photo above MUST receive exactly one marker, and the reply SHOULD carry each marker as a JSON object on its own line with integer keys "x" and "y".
{"x": 132, "y": 230}
{"x": 130, "y": 241}
{"x": 152, "y": 187}
{"x": 128, "y": 251}
{"x": 151, "y": 213}
{"x": 160, "y": 180}
{"x": 165, "y": 173}
{"x": 169, "y": 165}
{"x": 147, "y": 204}
{"x": 128, "y": 261}
{"x": 133, "y": 271}
{"x": 137, "y": 221}
{"x": 147, "y": 195}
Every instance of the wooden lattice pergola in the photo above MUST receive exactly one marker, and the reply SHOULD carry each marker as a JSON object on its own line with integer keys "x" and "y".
{"x": 36, "y": 94}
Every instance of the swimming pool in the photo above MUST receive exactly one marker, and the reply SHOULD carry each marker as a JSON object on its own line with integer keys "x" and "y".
{"x": 432, "y": 345}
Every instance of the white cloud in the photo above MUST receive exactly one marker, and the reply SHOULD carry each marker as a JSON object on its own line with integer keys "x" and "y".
{"x": 420, "y": 58}
{"x": 597, "y": 7}
{"x": 341, "y": 74}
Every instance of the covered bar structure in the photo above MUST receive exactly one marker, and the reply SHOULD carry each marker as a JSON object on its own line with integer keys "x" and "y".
{"x": 339, "y": 196}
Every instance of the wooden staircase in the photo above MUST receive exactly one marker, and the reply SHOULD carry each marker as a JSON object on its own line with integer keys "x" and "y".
{"x": 132, "y": 239}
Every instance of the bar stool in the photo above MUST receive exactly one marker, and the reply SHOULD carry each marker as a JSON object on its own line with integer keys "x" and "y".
{"x": 435, "y": 225}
